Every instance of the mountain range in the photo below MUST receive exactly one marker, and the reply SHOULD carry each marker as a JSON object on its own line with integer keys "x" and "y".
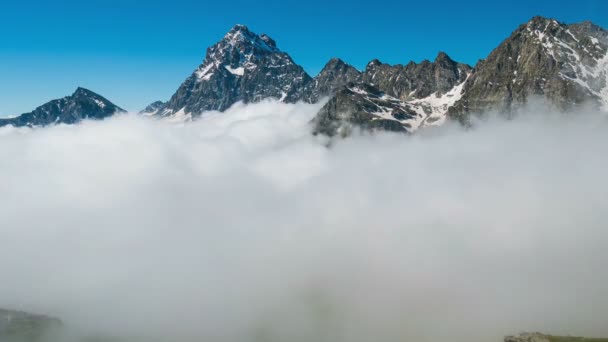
{"x": 563, "y": 65}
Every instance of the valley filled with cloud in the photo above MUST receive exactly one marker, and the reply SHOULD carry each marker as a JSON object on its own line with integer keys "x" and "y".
{"x": 244, "y": 226}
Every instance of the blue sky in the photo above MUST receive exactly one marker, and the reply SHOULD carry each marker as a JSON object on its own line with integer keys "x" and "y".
{"x": 135, "y": 52}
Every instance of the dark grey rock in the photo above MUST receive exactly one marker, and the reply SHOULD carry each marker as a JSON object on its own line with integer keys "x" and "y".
{"x": 83, "y": 104}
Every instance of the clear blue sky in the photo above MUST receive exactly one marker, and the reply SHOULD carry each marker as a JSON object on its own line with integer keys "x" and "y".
{"x": 135, "y": 52}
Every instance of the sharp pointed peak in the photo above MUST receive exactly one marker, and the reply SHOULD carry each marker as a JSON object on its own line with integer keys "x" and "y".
{"x": 443, "y": 57}
{"x": 83, "y": 91}
{"x": 373, "y": 62}
{"x": 540, "y": 22}
{"x": 242, "y": 34}
{"x": 239, "y": 28}
{"x": 335, "y": 61}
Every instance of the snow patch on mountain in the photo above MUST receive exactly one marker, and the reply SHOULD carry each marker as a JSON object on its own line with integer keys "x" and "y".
{"x": 583, "y": 56}
{"x": 235, "y": 71}
{"x": 100, "y": 103}
{"x": 179, "y": 117}
{"x": 437, "y": 105}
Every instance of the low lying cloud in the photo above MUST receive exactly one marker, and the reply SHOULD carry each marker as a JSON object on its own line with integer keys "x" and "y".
{"x": 242, "y": 226}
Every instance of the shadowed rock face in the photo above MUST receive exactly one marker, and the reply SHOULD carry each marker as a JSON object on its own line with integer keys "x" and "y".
{"x": 24, "y": 327}
{"x": 565, "y": 65}
{"x": 83, "y": 104}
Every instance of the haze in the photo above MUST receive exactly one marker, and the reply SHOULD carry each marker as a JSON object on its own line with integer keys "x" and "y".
{"x": 243, "y": 226}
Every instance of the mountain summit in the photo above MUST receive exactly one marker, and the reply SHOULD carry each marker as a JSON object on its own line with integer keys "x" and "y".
{"x": 82, "y": 104}
{"x": 565, "y": 65}
{"x": 243, "y": 66}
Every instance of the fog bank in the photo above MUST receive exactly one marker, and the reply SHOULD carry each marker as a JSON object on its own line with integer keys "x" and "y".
{"x": 242, "y": 226}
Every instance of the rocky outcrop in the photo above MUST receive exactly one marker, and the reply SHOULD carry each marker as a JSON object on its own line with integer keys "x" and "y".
{"x": 83, "y": 104}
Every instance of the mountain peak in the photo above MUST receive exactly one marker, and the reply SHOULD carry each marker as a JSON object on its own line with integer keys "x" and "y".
{"x": 241, "y": 38}
{"x": 373, "y": 63}
{"x": 82, "y": 104}
{"x": 243, "y": 66}
{"x": 541, "y": 23}
{"x": 334, "y": 62}
{"x": 81, "y": 91}
{"x": 239, "y": 28}
{"x": 443, "y": 57}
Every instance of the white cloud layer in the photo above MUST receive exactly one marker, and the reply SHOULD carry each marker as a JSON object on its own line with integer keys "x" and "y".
{"x": 243, "y": 227}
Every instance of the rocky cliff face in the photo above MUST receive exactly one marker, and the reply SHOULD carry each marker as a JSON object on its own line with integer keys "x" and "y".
{"x": 565, "y": 65}
{"x": 243, "y": 66}
{"x": 83, "y": 104}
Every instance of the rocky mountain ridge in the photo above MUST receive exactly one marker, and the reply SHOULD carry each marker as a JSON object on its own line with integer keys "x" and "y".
{"x": 248, "y": 67}
{"x": 564, "y": 65}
